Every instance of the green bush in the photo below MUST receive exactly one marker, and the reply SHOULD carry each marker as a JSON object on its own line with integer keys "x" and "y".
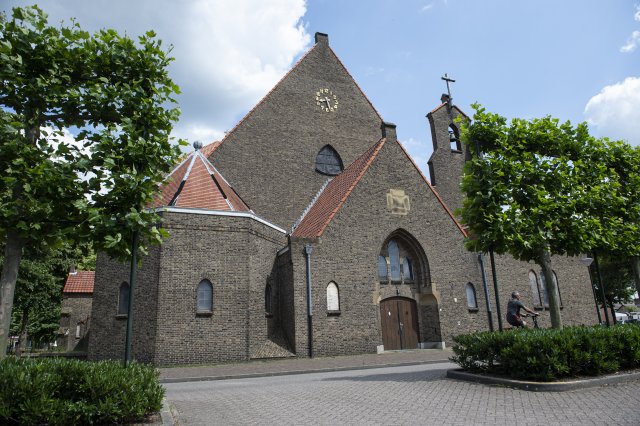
{"x": 549, "y": 354}
{"x": 60, "y": 391}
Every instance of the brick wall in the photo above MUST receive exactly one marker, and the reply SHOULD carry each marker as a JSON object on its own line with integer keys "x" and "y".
{"x": 287, "y": 130}
{"x": 76, "y": 311}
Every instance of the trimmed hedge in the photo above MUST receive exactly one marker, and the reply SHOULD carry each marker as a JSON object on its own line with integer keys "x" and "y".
{"x": 550, "y": 354}
{"x": 69, "y": 392}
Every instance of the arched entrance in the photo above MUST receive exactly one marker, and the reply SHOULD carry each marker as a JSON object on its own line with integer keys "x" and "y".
{"x": 399, "y": 321}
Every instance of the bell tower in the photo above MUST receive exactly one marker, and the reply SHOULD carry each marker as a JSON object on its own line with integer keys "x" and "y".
{"x": 449, "y": 153}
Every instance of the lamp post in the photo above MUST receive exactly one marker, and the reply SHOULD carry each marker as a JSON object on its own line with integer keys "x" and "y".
{"x": 587, "y": 261}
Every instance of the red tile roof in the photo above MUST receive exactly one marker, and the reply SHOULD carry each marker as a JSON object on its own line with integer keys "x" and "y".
{"x": 195, "y": 183}
{"x": 334, "y": 195}
{"x": 80, "y": 282}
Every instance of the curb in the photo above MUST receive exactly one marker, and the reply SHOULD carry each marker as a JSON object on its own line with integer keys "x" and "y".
{"x": 459, "y": 374}
{"x": 292, "y": 372}
{"x": 166, "y": 414}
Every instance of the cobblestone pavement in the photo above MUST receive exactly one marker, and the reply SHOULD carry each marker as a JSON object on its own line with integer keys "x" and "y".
{"x": 406, "y": 395}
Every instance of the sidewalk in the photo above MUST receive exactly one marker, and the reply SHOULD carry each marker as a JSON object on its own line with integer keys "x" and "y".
{"x": 277, "y": 367}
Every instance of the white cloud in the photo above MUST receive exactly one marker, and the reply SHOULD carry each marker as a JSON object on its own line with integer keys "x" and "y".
{"x": 636, "y": 15}
{"x": 615, "y": 111}
{"x": 228, "y": 53}
{"x": 426, "y": 7}
{"x": 632, "y": 42}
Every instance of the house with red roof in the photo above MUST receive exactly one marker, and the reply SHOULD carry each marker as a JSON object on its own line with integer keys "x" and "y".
{"x": 310, "y": 231}
{"x": 75, "y": 314}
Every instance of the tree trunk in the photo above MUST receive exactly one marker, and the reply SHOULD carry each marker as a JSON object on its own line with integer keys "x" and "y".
{"x": 635, "y": 264}
{"x": 12, "y": 256}
{"x": 22, "y": 339}
{"x": 552, "y": 290}
{"x": 612, "y": 310}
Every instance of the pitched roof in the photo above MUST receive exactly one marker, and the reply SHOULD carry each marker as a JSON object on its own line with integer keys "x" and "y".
{"x": 196, "y": 183}
{"x": 443, "y": 104}
{"x": 335, "y": 194}
{"x": 80, "y": 282}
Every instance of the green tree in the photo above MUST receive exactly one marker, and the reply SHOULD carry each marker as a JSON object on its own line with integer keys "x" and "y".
{"x": 534, "y": 190}
{"x": 617, "y": 279}
{"x": 115, "y": 91}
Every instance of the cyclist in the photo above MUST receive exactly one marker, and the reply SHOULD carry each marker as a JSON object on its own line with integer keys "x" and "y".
{"x": 513, "y": 310}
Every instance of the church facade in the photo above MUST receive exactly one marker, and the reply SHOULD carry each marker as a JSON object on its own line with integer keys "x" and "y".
{"x": 309, "y": 231}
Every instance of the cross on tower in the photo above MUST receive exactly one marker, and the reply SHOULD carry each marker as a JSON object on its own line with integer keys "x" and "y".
{"x": 448, "y": 80}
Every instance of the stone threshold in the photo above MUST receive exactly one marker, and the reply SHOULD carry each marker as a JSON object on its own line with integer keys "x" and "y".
{"x": 559, "y": 386}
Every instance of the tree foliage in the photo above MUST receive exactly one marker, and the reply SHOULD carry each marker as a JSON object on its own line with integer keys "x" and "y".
{"x": 540, "y": 188}
{"x": 116, "y": 94}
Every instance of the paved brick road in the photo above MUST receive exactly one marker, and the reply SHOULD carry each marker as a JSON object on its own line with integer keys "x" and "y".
{"x": 395, "y": 395}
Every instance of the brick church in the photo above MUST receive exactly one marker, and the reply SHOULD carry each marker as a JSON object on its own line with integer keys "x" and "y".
{"x": 310, "y": 231}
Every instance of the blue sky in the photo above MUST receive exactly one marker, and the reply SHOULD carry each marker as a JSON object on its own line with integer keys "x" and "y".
{"x": 575, "y": 60}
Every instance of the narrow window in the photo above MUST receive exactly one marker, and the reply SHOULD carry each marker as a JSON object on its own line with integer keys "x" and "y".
{"x": 555, "y": 279}
{"x": 394, "y": 258}
{"x": 123, "y": 299}
{"x": 472, "y": 302}
{"x": 383, "y": 274}
{"x": 454, "y": 139}
{"x": 543, "y": 289}
{"x": 205, "y": 296}
{"x": 333, "y": 297}
{"x": 535, "y": 291}
{"x": 407, "y": 273}
{"x": 267, "y": 299}
{"x": 328, "y": 161}
{"x": 78, "y": 331}
{"x": 432, "y": 173}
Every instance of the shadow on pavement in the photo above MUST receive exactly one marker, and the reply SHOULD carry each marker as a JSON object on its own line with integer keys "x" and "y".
{"x": 410, "y": 376}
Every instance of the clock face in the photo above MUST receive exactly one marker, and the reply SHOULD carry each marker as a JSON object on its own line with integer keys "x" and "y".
{"x": 326, "y": 100}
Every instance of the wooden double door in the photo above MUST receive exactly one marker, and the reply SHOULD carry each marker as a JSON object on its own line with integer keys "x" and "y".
{"x": 399, "y": 322}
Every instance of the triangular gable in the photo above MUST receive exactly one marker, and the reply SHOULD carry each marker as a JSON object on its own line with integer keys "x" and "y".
{"x": 334, "y": 195}
{"x": 445, "y": 104}
{"x": 229, "y": 134}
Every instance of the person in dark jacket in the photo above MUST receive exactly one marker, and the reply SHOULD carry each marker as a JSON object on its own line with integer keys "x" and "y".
{"x": 513, "y": 310}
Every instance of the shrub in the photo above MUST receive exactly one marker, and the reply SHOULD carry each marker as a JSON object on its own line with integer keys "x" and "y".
{"x": 60, "y": 391}
{"x": 549, "y": 354}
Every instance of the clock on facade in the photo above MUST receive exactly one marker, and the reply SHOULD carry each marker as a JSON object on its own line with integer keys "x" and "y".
{"x": 326, "y": 100}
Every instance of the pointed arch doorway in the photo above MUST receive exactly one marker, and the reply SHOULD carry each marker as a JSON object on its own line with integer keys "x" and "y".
{"x": 399, "y": 323}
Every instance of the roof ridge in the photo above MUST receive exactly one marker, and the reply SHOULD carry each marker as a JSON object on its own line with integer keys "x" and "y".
{"x": 313, "y": 201}
{"x": 247, "y": 115}
{"x": 355, "y": 82}
{"x": 361, "y": 169}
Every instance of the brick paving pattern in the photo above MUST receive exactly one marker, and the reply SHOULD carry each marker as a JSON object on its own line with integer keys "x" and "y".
{"x": 404, "y": 395}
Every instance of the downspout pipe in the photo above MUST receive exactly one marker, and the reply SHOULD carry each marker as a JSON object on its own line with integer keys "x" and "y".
{"x": 307, "y": 251}
{"x": 486, "y": 291}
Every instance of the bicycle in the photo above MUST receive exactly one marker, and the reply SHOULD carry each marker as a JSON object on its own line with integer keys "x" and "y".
{"x": 534, "y": 317}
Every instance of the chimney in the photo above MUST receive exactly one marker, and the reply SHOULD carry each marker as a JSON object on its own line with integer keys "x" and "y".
{"x": 322, "y": 38}
{"x": 72, "y": 269}
{"x": 444, "y": 98}
{"x": 389, "y": 131}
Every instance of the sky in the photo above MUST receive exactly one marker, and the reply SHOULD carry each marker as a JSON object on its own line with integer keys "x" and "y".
{"x": 576, "y": 60}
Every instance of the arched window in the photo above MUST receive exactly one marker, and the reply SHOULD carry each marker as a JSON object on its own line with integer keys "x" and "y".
{"x": 407, "y": 272}
{"x": 333, "y": 297}
{"x": 394, "y": 260}
{"x": 535, "y": 290}
{"x": 555, "y": 279}
{"x": 123, "y": 299}
{"x": 472, "y": 302}
{"x": 383, "y": 273}
{"x": 395, "y": 263}
{"x": 328, "y": 161}
{"x": 267, "y": 299}
{"x": 454, "y": 138}
{"x": 205, "y": 296}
